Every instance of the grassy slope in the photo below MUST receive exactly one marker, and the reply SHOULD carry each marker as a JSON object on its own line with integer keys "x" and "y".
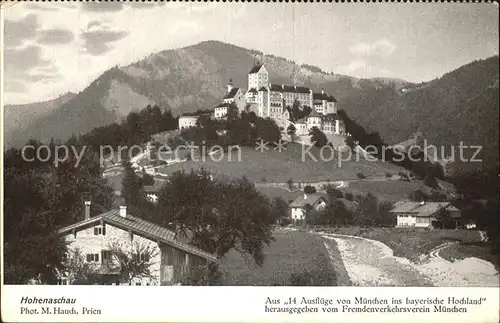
{"x": 388, "y": 191}
{"x": 411, "y": 243}
{"x": 274, "y": 166}
{"x": 291, "y": 253}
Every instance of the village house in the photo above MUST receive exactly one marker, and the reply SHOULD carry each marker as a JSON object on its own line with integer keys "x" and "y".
{"x": 187, "y": 121}
{"x": 302, "y": 204}
{"x": 426, "y": 214}
{"x": 172, "y": 258}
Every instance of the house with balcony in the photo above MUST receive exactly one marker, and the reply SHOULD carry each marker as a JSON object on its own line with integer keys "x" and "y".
{"x": 169, "y": 257}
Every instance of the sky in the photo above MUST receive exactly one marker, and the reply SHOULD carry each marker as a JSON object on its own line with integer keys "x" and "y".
{"x": 53, "y": 48}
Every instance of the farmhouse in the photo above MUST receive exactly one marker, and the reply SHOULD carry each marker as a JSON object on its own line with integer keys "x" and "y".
{"x": 425, "y": 214}
{"x": 299, "y": 207}
{"x": 169, "y": 258}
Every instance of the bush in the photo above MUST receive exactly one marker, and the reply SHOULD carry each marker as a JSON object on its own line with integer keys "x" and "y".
{"x": 334, "y": 193}
{"x": 361, "y": 175}
{"x": 290, "y": 183}
{"x": 349, "y": 196}
{"x": 388, "y": 175}
{"x": 308, "y": 189}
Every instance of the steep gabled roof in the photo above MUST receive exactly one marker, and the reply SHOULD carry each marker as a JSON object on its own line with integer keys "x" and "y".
{"x": 232, "y": 93}
{"x": 310, "y": 199}
{"x": 331, "y": 99}
{"x": 143, "y": 228}
{"x": 252, "y": 90}
{"x": 422, "y": 209}
{"x": 255, "y": 69}
{"x": 263, "y": 89}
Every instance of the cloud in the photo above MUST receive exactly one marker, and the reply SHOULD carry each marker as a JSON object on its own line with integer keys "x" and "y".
{"x": 98, "y": 42}
{"x": 25, "y": 66}
{"x": 379, "y": 48}
{"x": 100, "y": 7}
{"x": 17, "y": 32}
{"x": 39, "y": 7}
{"x": 352, "y": 66}
{"x": 24, "y": 59}
{"x": 93, "y": 24}
{"x": 55, "y": 36}
{"x": 146, "y": 4}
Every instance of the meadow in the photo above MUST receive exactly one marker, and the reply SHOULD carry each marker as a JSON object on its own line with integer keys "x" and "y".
{"x": 274, "y": 166}
{"x": 294, "y": 258}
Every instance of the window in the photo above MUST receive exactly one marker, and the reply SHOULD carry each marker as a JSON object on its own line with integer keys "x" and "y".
{"x": 99, "y": 230}
{"x": 92, "y": 257}
{"x": 106, "y": 255}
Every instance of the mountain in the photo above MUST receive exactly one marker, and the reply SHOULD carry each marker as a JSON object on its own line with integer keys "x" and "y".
{"x": 183, "y": 80}
{"x": 24, "y": 115}
{"x": 461, "y": 105}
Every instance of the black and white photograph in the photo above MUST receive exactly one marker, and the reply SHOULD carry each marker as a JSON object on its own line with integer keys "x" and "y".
{"x": 250, "y": 144}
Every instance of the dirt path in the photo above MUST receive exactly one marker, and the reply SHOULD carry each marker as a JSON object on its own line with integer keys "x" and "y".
{"x": 370, "y": 263}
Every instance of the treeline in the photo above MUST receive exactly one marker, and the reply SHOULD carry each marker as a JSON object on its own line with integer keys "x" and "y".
{"x": 135, "y": 129}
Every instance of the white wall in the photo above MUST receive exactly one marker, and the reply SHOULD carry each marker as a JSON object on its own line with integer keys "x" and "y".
{"x": 187, "y": 121}
{"x": 412, "y": 221}
{"x": 88, "y": 243}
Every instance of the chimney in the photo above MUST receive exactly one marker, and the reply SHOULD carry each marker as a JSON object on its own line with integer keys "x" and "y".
{"x": 123, "y": 211}
{"x": 322, "y": 91}
{"x": 87, "y": 210}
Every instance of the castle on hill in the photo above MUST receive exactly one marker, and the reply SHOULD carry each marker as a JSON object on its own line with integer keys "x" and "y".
{"x": 279, "y": 102}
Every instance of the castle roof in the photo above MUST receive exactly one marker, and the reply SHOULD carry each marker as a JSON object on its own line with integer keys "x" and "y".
{"x": 223, "y": 105}
{"x": 255, "y": 69}
{"x": 252, "y": 90}
{"x": 320, "y": 96}
{"x": 289, "y": 88}
{"x": 314, "y": 114}
{"x": 232, "y": 93}
{"x": 302, "y": 89}
{"x": 276, "y": 88}
{"x": 263, "y": 89}
{"x": 331, "y": 99}
{"x": 324, "y": 96}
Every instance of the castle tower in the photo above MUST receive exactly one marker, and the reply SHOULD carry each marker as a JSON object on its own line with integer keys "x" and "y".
{"x": 229, "y": 85}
